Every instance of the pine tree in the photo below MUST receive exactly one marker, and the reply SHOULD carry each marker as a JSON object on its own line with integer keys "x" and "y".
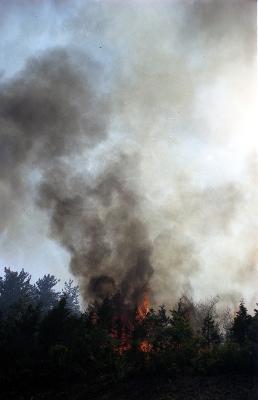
{"x": 45, "y": 294}
{"x": 15, "y": 290}
{"x": 210, "y": 331}
{"x": 71, "y": 294}
{"x": 51, "y": 329}
{"x": 253, "y": 330}
{"x": 180, "y": 325}
{"x": 241, "y": 324}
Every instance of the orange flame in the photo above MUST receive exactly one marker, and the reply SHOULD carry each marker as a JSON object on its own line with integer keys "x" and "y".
{"x": 143, "y": 308}
{"x": 142, "y": 311}
{"x": 123, "y": 336}
{"x": 145, "y": 346}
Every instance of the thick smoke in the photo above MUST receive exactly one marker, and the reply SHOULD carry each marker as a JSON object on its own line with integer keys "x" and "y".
{"x": 48, "y": 113}
{"x": 99, "y": 222}
{"x": 136, "y": 140}
{"x": 43, "y": 118}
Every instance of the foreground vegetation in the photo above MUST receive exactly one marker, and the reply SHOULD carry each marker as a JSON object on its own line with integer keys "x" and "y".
{"x": 51, "y": 350}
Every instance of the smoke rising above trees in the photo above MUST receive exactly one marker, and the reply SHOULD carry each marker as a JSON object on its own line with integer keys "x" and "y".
{"x": 129, "y": 137}
{"x": 49, "y": 112}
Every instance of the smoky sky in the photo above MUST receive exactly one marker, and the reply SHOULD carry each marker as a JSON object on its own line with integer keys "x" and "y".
{"x": 128, "y": 133}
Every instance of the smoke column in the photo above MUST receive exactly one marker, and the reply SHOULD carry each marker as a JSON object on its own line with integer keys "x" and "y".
{"x": 135, "y": 140}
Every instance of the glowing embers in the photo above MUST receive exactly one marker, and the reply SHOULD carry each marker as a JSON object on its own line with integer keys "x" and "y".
{"x": 145, "y": 346}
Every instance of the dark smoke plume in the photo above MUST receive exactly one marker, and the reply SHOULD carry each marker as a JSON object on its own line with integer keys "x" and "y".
{"x": 45, "y": 115}
{"x": 141, "y": 160}
{"x": 48, "y": 113}
{"x": 99, "y": 223}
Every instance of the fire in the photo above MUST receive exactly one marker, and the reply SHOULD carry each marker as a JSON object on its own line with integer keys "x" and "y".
{"x": 143, "y": 308}
{"x": 145, "y": 346}
{"x": 122, "y": 329}
{"x": 141, "y": 313}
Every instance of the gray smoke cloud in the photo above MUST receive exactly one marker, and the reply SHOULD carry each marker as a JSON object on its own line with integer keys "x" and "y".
{"x": 98, "y": 221}
{"x": 136, "y": 141}
{"x": 43, "y": 118}
{"x": 49, "y": 111}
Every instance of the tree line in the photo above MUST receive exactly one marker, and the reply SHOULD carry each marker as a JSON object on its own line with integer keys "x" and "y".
{"x": 47, "y": 342}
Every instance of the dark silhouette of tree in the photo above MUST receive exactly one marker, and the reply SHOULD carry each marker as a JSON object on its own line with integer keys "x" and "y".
{"x": 71, "y": 294}
{"x": 108, "y": 344}
{"x": 210, "y": 330}
{"x": 253, "y": 335}
{"x": 181, "y": 329}
{"x": 157, "y": 325}
{"x": 15, "y": 290}
{"x": 253, "y": 330}
{"x": 52, "y": 327}
{"x": 241, "y": 324}
{"x": 45, "y": 294}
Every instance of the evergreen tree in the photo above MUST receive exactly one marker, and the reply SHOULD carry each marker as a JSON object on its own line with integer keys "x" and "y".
{"x": 253, "y": 330}
{"x": 157, "y": 325}
{"x": 15, "y": 290}
{"x": 210, "y": 330}
{"x": 51, "y": 330}
{"x": 241, "y": 324}
{"x": 180, "y": 325}
{"x": 71, "y": 294}
{"x": 45, "y": 294}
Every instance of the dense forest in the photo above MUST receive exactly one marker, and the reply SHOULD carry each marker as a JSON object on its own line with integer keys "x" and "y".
{"x": 51, "y": 348}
